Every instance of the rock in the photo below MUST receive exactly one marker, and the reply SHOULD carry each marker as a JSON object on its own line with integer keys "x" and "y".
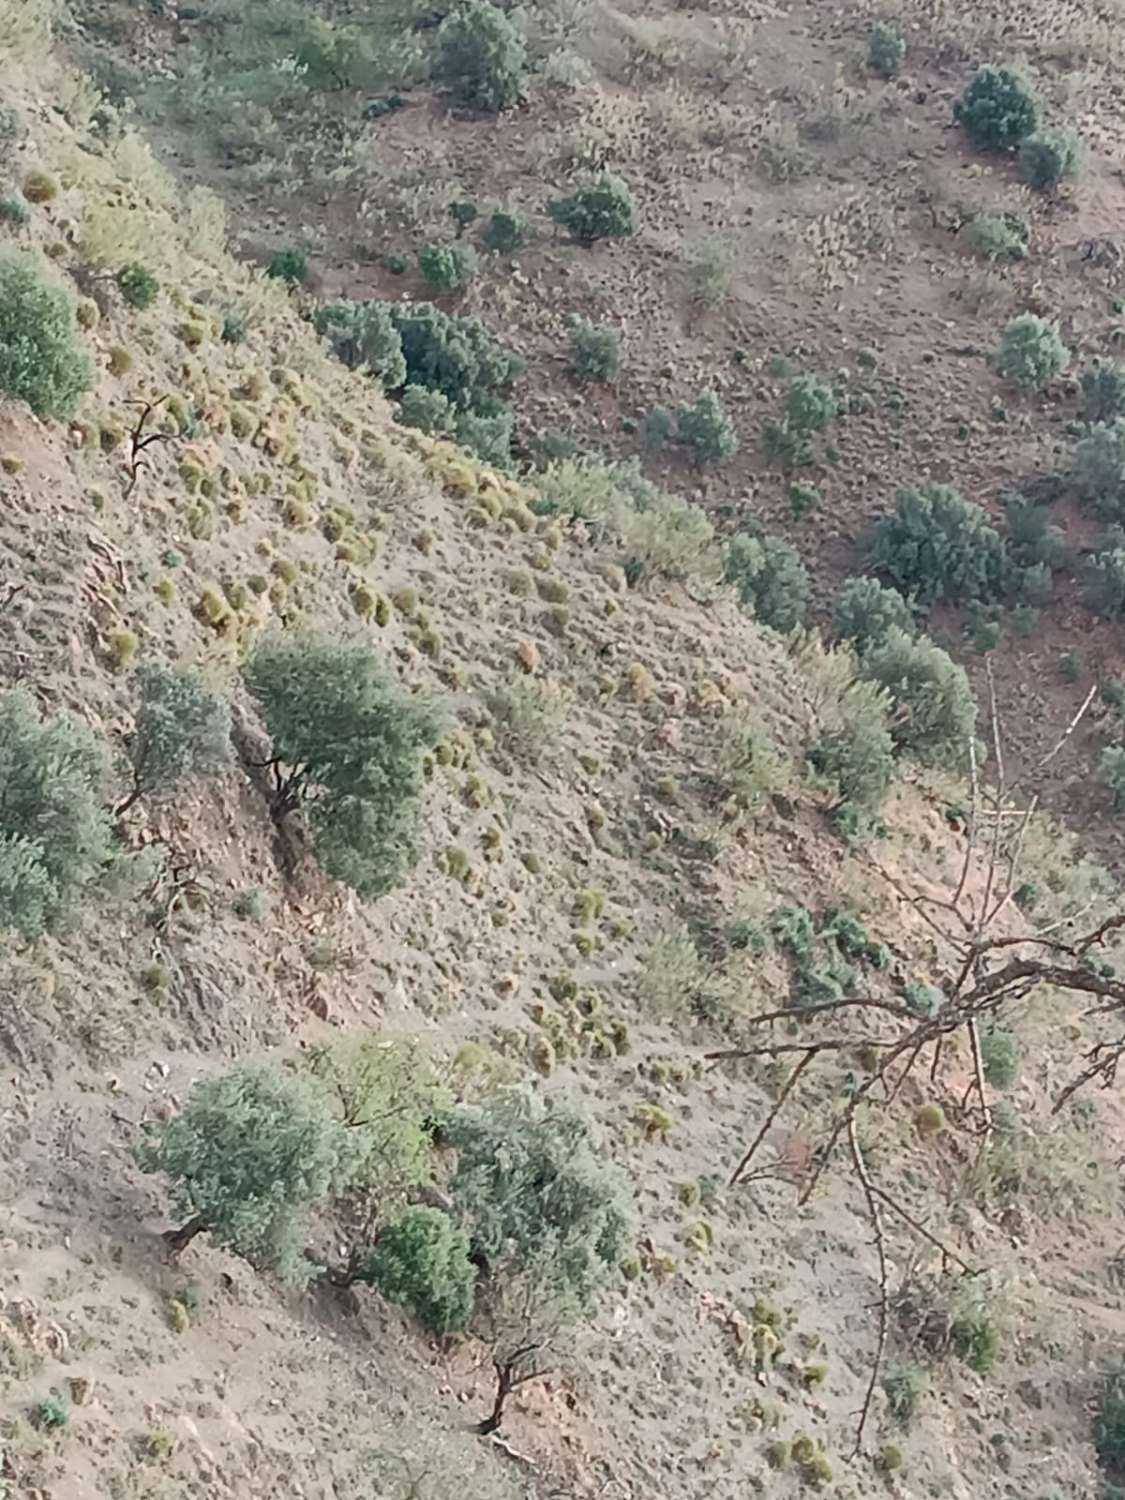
{"x": 81, "y": 1389}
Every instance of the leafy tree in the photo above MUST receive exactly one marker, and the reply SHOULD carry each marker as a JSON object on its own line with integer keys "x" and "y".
{"x": 480, "y": 55}
{"x": 139, "y": 288}
{"x": 1031, "y": 352}
{"x": 769, "y": 578}
{"x": 347, "y": 745}
{"x": 290, "y": 265}
{"x": 181, "y": 730}
{"x": 935, "y": 715}
{"x": 705, "y": 427}
{"x": 506, "y": 231}
{"x": 40, "y": 362}
{"x": 938, "y": 546}
{"x": 998, "y": 109}
{"x": 250, "y": 1153}
{"x": 1104, "y": 389}
{"x": 364, "y": 334}
{"x": 593, "y": 350}
{"x": 421, "y": 1262}
{"x": 1105, "y": 582}
{"x": 886, "y": 49}
{"x": 866, "y": 610}
{"x": 56, "y": 838}
{"x": 601, "y": 210}
{"x": 447, "y": 268}
{"x": 428, "y": 411}
{"x": 1050, "y": 157}
{"x": 1099, "y": 469}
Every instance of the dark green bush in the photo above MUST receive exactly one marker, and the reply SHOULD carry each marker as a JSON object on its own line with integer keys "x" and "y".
{"x": 885, "y": 49}
{"x": 1109, "y": 1424}
{"x": 1105, "y": 582}
{"x": 999, "y": 236}
{"x": 457, "y": 356}
{"x": 998, "y": 109}
{"x": 853, "y": 755}
{"x": 290, "y": 265}
{"x": 14, "y": 211}
{"x": 810, "y": 405}
{"x": 705, "y": 427}
{"x": 1104, "y": 389}
{"x": 480, "y": 57}
{"x": 487, "y": 433}
{"x": 938, "y": 546}
{"x": 1111, "y": 774}
{"x": 1032, "y": 541}
{"x": 935, "y": 715}
{"x": 347, "y": 748}
{"x": 1000, "y": 1055}
{"x": 40, "y": 360}
{"x": 463, "y": 213}
{"x": 865, "y": 611}
{"x": 506, "y": 231}
{"x": 1099, "y": 469}
{"x": 594, "y": 351}
{"x": 139, "y": 288}
{"x": 421, "y": 1262}
{"x": 181, "y": 731}
{"x": 1031, "y": 353}
{"x": 364, "y": 334}
{"x": 56, "y": 838}
{"x": 769, "y": 579}
{"x": 428, "y": 411}
{"x": 1050, "y": 157}
{"x": 447, "y": 268}
{"x": 601, "y": 210}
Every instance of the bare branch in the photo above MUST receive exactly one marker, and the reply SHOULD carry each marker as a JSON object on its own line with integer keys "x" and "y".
{"x": 779, "y": 1104}
{"x": 884, "y": 1296}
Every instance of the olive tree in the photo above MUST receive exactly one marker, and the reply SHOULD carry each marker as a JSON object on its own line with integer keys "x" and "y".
{"x": 181, "y": 730}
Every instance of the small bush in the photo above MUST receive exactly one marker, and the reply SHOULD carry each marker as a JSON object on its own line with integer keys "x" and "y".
{"x": 52, "y": 1411}
{"x": 938, "y": 546}
{"x": 885, "y": 49}
{"x": 447, "y": 268}
{"x": 487, "y": 434}
{"x": 709, "y": 272}
{"x": 769, "y": 578}
{"x": 363, "y": 334}
{"x": 480, "y": 57}
{"x": 810, "y": 405}
{"x": 1104, "y": 389}
{"x": 40, "y": 362}
{"x": 454, "y": 355}
{"x": 1105, "y": 584}
{"x": 601, "y": 210}
{"x": 1050, "y": 157}
{"x": 866, "y": 611}
{"x": 428, "y": 411}
{"x": 748, "y": 766}
{"x": 904, "y": 1384}
{"x": 594, "y": 351}
{"x": 999, "y": 236}
{"x": 421, "y": 1262}
{"x": 290, "y": 265}
{"x": 13, "y": 212}
{"x": 998, "y": 109}
{"x": 935, "y": 712}
{"x": 181, "y": 731}
{"x": 705, "y": 427}
{"x": 1111, "y": 774}
{"x": 1099, "y": 469}
{"x": 1031, "y": 352}
{"x": 853, "y": 754}
{"x": 506, "y": 231}
{"x": 1109, "y": 1424}
{"x": 139, "y": 288}
{"x": 40, "y": 187}
{"x": 1000, "y": 1056}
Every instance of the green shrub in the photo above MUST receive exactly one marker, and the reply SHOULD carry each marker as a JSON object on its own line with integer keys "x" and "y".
{"x": 363, "y": 334}
{"x": 480, "y": 56}
{"x": 181, "y": 731}
{"x": 13, "y": 211}
{"x": 999, "y": 236}
{"x": 139, "y": 288}
{"x": 1104, "y": 591}
{"x": 1031, "y": 352}
{"x": 769, "y": 578}
{"x": 1109, "y": 1424}
{"x": 290, "y": 265}
{"x": 457, "y": 356}
{"x": 1104, "y": 389}
{"x": 748, "y": 766}
{"x": 428, "y": 411}
{"x": 1050, "y": 157}
{"x": 1111, "y": 774}
{"x": 998, "y": 109}
{"x": 905, "y": 1383}
{"x": 594, "y": 350}
{"x": 853, "y": 754}
{"x": 657, "y": 428}
{"x": 40, "y": 362}
{"x": 250, "y": 1151}
{"x": 935, "y": 715}
{"x": 664, "y": 535}
{"x": 487, "y": 434}
{"x": 885, "y": 49}
{"x": 1000, "y": 1055}
{"x": 52, "y": 1411}
{"x": 601, "y": 210}
{"x": 866, "y": 611}
{"x": 447, "y": 268}
{"x": 347, "y": 747}
{"x": 463, "y": 214}
{"x": 1099, "y": 469}
{"x": 506, "y": 231}
{"x": 705, "y": 427}
{"x": 938, "y": 546}
{"x": 1032, "y": 541}
{"x": 421, "y": 1262}
{"x": 56, "y": 838}
{"x": 810, "y": 405}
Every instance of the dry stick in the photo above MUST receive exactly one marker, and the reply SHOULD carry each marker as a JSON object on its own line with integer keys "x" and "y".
{"x": 946, "y": 1253}
{"x": 1070, "y": 728}
{"x": 884, "y": 1299}
{"x": 1001, "y": 789}
{"x": 970, "y": 843}
{"x": 790, "y": 1082}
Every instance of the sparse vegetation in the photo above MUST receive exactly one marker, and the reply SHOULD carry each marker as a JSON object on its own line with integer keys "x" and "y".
{"x": 594, "y": 351}
{"x": 181, "y": 731}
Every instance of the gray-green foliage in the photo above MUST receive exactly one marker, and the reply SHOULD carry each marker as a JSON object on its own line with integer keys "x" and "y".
{"x": 1031, "y": 352}
{"x": 1111, "y": 773}
{"x": 181, "y": 730}
{"x": 706, "y": 428}
{"x": 428, "y": 411}
{"x": 1099, "y": 469}
{"x": 348, "y": 743}
{"x": 1049, "y": 157}
{"x": 534, "y": 1192}
{"x": 935, "y": 714}
{"x": 999, "y": 236}
{"x": 1105, "y": 582}
{"x": 363, "y": 334}
{"x": 769, "y": 578}
{"x": 998, "y": 108}
{"x": 249, "y": 1154}
{"x": 507, "y": 230}
{"x": 1000, "y": 1055}
{"x": 938, "y": 546}
{"x": 905, "y": 1383}
{"x": 886, "y": 49}
{"x": 602, "y": 209}
{"x": 853, "y": 754}
{"x": 1109, "y": 1422}
{"x": 56, "y": 838}
{"x": 41, "y": 361}
{"x": 810, "y": 404}
{"x": 594, "y": 350}
{"x": 865, "y": 611}
{"x": 447, "y": 268}
{"x": 421, "y": 1262}
{"x": 480, "y": 56}
{"x": 1103, "y": 386}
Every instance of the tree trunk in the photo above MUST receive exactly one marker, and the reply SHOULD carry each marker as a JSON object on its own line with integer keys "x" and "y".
{"x": 504, "y": 1386}
{"x": 123, "y": 807}
{"x": 178, "y": 1240}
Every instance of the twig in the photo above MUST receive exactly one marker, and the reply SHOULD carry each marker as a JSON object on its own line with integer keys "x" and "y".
{"x": 946, "y": 1253}
{"x": 790, "y": 1083}
{"x": 139, "y": 440}
{"x": 884, "y": 1299}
